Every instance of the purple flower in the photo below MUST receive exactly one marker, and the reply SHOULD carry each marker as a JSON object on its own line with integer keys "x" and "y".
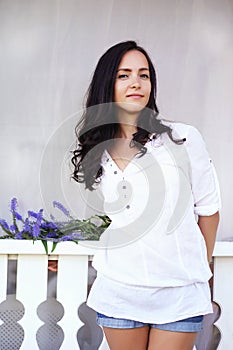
{"x": 13, "y": 204}
{"x": 18, "y": 216}
{"x": 19, "y": 235}
{"x": 71, "y": 237}
{"x": 4, "y": 224}
{"x": 65, "y": 238}
{"x": 49, "y": 226}
{"x": 33, "y": 214}
{"x": 40, "y": 216}
{"x": 36, "y": 230}
{"x": 37, "y": 224}
{"x": 13, "y": 229}
{"x": 51, "y": 235}
{"x": 27, "y": 227}
{"x": 61, "y": 207}
{"x": 13, "y": 208}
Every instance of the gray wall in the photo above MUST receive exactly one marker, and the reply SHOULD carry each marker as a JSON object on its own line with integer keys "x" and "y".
{"x": 49, "y": 49}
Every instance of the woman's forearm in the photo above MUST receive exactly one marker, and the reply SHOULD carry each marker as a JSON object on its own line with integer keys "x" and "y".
{"x": 208, "y": 226}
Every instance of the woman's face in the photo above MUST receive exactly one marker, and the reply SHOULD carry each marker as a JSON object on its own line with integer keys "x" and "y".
{"x": 132, "y": 86}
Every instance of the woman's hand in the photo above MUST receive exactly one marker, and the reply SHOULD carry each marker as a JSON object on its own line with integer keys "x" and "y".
{"x": 52, "y": 265}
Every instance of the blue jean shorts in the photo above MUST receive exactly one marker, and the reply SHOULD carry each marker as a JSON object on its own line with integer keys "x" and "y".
{"x": 191, "y": 324}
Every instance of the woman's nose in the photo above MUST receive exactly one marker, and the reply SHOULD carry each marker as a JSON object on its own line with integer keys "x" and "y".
{"x": 135, "y": 83}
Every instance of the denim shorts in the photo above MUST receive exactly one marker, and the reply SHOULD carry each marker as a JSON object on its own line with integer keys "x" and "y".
{"x": 191, "y": 324}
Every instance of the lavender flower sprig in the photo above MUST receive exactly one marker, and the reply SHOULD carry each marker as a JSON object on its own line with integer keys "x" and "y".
{"x": 61, "y": 208}
{"x": 36, "y": 227}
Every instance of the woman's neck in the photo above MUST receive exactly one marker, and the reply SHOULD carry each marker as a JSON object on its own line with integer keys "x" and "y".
{"x": 127, "y": 125}
{"x": 126, "y": 131}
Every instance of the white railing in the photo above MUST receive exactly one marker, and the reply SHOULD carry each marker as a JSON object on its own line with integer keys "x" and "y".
{"x": 222, "y": 292}
{"x": 31, "y": 296}
{"x": 31, "y": 292}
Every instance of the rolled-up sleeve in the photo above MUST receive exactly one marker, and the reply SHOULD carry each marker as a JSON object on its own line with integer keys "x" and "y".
{"x": 204, "y": 182}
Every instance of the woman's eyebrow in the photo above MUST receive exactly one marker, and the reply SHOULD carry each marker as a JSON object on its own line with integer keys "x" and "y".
{"x": 129, "y": 70}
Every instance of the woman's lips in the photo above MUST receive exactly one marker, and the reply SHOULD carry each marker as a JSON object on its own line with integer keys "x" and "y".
{"x": 135, "y": 96}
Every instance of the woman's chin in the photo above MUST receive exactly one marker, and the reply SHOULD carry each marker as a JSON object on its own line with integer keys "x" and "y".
{"x": 131, "y": 107}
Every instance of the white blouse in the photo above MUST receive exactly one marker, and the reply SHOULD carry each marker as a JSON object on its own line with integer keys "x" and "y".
{"x": 154, "y": 243}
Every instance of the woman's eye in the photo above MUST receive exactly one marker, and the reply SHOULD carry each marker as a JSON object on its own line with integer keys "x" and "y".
{"x": 144, "y": 76}
{"x": 122, "y": 76}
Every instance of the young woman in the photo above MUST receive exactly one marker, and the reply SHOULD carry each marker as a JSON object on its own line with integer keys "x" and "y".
{"x": 161, "y": 193}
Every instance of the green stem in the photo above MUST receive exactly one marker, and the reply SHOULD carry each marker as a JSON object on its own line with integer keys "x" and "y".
{"x": 45, "y": 244}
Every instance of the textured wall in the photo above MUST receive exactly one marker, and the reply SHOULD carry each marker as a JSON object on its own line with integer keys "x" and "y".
{"x": 48, "y": 52}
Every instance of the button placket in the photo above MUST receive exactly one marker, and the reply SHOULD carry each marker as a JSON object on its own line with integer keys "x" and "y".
{"x": 124, "y": 187}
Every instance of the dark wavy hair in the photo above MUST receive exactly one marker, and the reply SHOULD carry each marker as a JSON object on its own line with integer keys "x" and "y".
{"x": 98, "y": 125}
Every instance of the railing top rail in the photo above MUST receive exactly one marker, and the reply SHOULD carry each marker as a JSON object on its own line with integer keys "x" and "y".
{"x": 223, "y": 248}
{"x": 14, "y": 247}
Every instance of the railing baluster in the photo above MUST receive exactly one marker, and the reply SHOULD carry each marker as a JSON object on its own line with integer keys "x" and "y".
{"x": 71, "y": 292}
{"x": 3, "y": 274}
{"x": 31, "y": 290}
{"x": 222, "y": 294}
